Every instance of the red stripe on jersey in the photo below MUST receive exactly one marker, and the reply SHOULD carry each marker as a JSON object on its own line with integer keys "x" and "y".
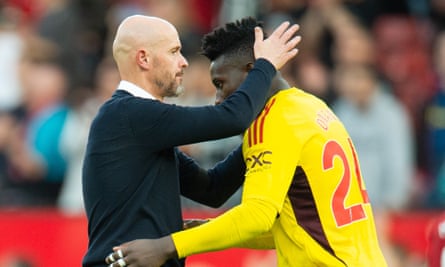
{"x": 255, "y": 125}
{"x": 249, "y": 136}
{"x": 255, "y": 132}
{"x": 266, "y": 111}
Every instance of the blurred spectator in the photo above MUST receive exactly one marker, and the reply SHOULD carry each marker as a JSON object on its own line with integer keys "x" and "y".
{"x": 205, "y": 13}
{"x": 313, "y": 76}
{"x": 36, "y": 167}
{"x": 382, "y": 134}
{"x": 434, "y": 136}
{"x": 78, "y": 29}
{"x": 118, "y": 11}
{"x": 11, "y": 46}
{"x": 75, "y": 133}
{"x": 178, "y": 13}
{"x": 404, "y": 58}
{"x": 331, "y": 31}
{"x": 181, "y": 13}
{"x": 352, "y": 37}
{"x": 435, "y": 111}
{"x": 232, "y": 10}
{"x": 7, "y": 122}
{"x": 322, "y": 24}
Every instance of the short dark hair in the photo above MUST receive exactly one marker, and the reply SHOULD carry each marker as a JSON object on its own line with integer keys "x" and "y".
{"x": 232, "y": 39}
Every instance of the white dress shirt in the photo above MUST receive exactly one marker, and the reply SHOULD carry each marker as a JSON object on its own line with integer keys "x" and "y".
{"x": 134, "y": 89}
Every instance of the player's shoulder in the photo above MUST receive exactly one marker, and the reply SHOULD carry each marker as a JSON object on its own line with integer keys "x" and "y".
{"x": 298, "y": 98}
{"x": 296, "y": 104}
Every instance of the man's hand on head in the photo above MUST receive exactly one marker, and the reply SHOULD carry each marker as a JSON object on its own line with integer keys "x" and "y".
{"x": 279, "y": 47}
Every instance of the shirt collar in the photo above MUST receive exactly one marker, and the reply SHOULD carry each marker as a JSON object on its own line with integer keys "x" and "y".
{"x": 134, "y": 90}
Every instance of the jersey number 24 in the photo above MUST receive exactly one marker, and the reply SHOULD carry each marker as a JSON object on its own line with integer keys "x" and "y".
{"x": 344, "y": 215}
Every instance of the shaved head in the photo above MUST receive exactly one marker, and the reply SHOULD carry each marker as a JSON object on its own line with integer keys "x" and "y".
{"x": 139, "y": 31}
{"x": 147, "y": 51}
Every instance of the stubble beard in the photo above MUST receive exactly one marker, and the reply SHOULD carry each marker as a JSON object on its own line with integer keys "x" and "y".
{"x": 171, "y": 89}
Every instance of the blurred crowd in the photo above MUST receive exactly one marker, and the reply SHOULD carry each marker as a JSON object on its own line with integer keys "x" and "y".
{"x": 379, "y": 64}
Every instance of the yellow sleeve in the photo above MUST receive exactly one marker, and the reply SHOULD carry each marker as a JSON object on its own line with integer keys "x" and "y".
{"x": 269, "y": 173}
{"x": 264, "y": 241}
{"x": 231, "y": 229}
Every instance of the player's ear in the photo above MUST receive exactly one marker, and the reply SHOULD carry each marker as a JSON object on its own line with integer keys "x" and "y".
{"x": 249, "y": 66}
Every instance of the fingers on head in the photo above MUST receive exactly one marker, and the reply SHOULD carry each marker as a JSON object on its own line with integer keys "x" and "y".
{"x": 281, "y": 29}
{"x": 259, "y": 33}
{"x": 290, "y": 32}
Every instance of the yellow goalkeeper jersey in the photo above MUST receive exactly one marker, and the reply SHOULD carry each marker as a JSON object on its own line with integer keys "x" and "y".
{"x": 303, "y": 189}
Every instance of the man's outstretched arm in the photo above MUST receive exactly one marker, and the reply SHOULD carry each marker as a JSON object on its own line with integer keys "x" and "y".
{"x": 234, "y": 228}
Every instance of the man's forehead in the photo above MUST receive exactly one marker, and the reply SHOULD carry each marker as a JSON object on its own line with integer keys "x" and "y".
{"x": 219, "y": 65}
{"x": 168, "y": 42}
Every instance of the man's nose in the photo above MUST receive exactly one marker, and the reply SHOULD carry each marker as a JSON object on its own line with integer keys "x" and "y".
{"x": 184, "y": 62}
